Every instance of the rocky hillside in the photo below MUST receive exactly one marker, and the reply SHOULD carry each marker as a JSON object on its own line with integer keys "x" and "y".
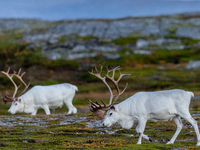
{"x": 77, "y": 39}
{"x": 160, "y": 52}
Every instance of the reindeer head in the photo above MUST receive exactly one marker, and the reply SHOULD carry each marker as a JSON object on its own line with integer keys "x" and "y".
{"x": 10, "y": 76}
{"x": 95, "y": 107}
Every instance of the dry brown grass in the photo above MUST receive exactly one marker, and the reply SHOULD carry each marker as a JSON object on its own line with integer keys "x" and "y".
{"x": 98, "y": 95}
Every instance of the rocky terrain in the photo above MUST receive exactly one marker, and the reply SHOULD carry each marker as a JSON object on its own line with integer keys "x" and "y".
{"x": 76, "y": 39}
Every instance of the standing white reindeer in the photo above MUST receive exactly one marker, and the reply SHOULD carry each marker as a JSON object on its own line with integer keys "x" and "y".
{"x": 40, "y": 97}
{"x": 146, "y": 106}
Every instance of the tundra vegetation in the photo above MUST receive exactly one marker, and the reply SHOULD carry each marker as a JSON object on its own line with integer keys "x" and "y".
{"x": 161, "y": 68}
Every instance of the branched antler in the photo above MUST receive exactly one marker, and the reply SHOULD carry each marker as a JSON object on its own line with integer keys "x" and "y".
{"x": 98, "y": 109}
{"x": 10, "y": 76}
{"x": 95, "y": 107}
{"x": 98, "y": 75}
{"x": 20, "y": 78}
{"x": 115, "y": 82}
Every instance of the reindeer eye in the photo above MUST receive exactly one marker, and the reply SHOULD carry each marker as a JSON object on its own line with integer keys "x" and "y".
{"x": 15, "y": 104}
{"x": 110, "y": 114}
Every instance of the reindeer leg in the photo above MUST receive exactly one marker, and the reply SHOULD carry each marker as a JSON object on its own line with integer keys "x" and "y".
{"x": 140, "y": 129}
{"x": 46, "y": 109}
{"x": 186, "y": 115}
{"x": 195, "y": 125}
{"x": 179, "y": 125}
{"x": 34, "y": 112}
{"x": 70, "y": 106}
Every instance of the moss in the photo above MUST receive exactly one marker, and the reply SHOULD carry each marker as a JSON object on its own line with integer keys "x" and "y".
{"x": 125, "y": 40}
{"x": 189, "y": 42}
{"x": 61, "y": 39}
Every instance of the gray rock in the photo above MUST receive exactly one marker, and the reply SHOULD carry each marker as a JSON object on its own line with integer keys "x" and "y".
{"x": 177, "y": 47}
{"x": 41, "y": 37}
{"x": 111, "y": 56}
{"x": 73, "y": 56}
{"x": 151, "y": 29}
{"x": 142, "y": 52}
{"x": 193, "y": 64}
{"x": 54, "y": 55}
{"x": 189, "y": 32}
{"x": 79, "y": 48}
{"x": 195, "y": 21}
{"x": 142, "y": 43}
{"x": 161, "y": 41}
{"x": 52, "y": 41}
{"x": 106, "y": 48}
{"x": 160, "y": 68}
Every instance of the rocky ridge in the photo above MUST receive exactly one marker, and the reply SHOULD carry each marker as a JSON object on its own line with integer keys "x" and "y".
{"x": 66, "y": 38}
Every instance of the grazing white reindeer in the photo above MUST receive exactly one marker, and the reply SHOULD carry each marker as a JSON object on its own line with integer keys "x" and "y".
{"x": 40, "y": 97}
{"x": 148, "y": 106}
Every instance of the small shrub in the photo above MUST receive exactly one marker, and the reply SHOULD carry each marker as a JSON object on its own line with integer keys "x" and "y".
{"x": 63, "y": 64}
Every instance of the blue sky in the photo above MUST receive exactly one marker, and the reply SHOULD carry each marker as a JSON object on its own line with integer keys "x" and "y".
{"x": 76, "y": 9}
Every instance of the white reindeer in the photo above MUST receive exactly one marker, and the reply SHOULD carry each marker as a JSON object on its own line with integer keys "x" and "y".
{"x": 147, "y": 106}
{"x": 40, "y": 97}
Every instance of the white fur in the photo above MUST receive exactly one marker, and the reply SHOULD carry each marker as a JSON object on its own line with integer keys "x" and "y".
{"x": 45, "y": 97}
{"x": 153, "y": 106}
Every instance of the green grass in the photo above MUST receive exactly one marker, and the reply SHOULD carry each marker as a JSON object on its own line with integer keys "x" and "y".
{"x": 148, "y": 79}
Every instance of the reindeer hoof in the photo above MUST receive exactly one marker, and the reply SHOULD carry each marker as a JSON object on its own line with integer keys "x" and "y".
{"x": 150, "y": 139}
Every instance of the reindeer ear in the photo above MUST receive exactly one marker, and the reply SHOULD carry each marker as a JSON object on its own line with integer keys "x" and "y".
{"x": 19, "y": 99}
{"x": 112, "y": 107}
{"x": 115, "y": 108}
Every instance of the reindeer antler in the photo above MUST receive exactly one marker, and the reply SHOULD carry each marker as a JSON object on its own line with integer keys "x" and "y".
{"x": 98, "y": 109}
{"x": 115, "y": 82}
{"x": 5, "y": 98}
{"x": 98, "y": 75}
{"x": 20, "y": 78}
{"x": 10, "y": 76}
{"x": 95, "y": 107}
